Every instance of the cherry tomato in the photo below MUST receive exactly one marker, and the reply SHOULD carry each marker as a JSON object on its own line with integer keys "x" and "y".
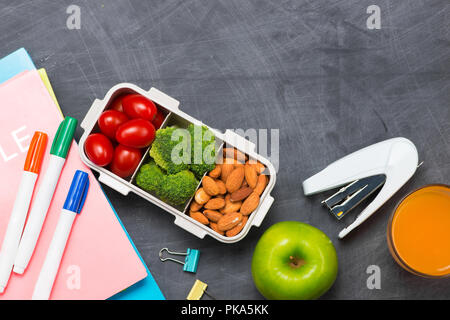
{"x": 125, "y": 160}
{"x": 99, "y": 149}
{"x": 109, "y": 121}
{"x": 136, "y": 133}
{"x": 158, "y": 120}
{"x": 137, "y": 106}
{"x": 116, "y": 104}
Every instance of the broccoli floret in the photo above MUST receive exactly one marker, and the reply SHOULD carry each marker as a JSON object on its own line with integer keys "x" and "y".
{"x": 202, "y": 150}
{"x": 178, "y": 188}
{"x": 150, "y": 177}
{"x": 200, "y": 169}
{"x": 174, "y": 189}
{"x": 174, "y": 152}
{"x": 162, "y": 148}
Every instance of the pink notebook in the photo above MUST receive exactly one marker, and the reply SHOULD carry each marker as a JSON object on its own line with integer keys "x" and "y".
{"x": 99, "y": 260}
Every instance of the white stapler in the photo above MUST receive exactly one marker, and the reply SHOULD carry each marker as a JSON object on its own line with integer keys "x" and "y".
{"x": 390, "y": 163}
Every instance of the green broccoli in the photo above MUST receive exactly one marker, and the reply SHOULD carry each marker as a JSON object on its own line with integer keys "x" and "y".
{"x": 178, "y": 188}
{"x": 174, "y": 189}
{"x": 164, "y": 145}
{"x": 202, "y": 150}
{"x": 174, "y": 152}
{"x": 150, "y": 177}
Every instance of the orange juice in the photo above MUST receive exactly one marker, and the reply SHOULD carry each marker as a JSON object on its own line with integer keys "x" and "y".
{"x": 419, "y": 232}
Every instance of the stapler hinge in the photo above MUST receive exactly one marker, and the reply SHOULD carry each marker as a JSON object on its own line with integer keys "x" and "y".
{"x": 350, "y": 196}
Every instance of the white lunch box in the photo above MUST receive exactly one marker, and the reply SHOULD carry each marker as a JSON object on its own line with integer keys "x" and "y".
{"x": 174, "y": 116}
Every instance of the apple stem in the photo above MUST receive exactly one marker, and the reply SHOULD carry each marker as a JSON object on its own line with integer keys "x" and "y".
{"x": 296, "y": 262}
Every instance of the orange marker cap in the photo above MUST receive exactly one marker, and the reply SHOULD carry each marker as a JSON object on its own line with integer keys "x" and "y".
{"x": 36, "y": 152}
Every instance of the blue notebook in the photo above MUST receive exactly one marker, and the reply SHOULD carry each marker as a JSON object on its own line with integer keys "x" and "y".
{"x": 15, "y": 63}
{"x": 146, "y": 289}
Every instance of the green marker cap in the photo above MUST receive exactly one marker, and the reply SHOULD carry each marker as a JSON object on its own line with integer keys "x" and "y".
{"x": 64, "y": 136}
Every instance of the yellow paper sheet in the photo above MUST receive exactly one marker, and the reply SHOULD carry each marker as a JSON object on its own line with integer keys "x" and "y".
{"x": 46, "y": 81}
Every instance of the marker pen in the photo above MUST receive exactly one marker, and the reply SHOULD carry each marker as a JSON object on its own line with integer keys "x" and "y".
{"x": 73, "y": 205}
{"x": 18, "y": 216}
{"x": 60, "y": 148}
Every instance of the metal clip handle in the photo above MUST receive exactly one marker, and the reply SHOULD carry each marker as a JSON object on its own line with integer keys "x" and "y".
{"x": 190, "y": 262}
{"x": 173, "y": 253}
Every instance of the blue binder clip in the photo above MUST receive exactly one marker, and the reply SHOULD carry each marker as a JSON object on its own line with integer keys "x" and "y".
{"x": 190, "y": 262}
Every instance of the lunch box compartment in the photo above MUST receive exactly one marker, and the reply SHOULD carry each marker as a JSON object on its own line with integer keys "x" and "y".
{"x": 254, "y": 219}
{"x": 173, "y": 116}
{"x": 146, "y": 156}
{"x": 172, "y": 119}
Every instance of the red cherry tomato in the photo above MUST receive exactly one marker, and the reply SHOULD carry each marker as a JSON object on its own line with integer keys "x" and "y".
{"x": 125, "y": 160}
{"x": 136, "y": 133}
{"x": 158, "y": 120}
{"x": 99, "y": 149}
{"x": 109, "y": 121}
{"x": 137, "y": 106}
{"x": 116, "y": 104}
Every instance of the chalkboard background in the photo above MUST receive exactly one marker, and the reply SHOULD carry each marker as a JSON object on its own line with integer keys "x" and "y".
{"x": 311, "y": 69}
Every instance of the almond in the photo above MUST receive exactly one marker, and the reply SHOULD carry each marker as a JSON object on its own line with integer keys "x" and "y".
{"x": 250, "y": 204}
{"x": 234, "y": 180}
{"x": 234, "y": 162}
{"x": 235, "y": 154}
{"x": 201, "y": 196}
{"x": 250, "y": 175}
{"x": 215, "y": 203}
{"x": 195, "y": 206}
{"x": 215, "y": 173}
{"x": 259, "y": 167}
{"x": 221, "y": 186}
{"x": 231, "y": 207}
{"x": 212, "y": 215}
{"x": 210, "y": 186}
{"x": 234, "y": 231}
{"x": 229, "y": 221}
{"x": 227, "y": 168}
{"x": 261, "y": 184}
{"x": 199, "y": 217}
{"x": 227, "y": 160}
{"x": 213, "y": 226}
{"x": 241, "y": 194}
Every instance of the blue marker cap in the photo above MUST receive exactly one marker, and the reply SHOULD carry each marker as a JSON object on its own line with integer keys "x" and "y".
{"x": 77, "y": 192}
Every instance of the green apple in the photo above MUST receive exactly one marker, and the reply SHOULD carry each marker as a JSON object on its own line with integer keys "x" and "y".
{"x": 294, "y": 261}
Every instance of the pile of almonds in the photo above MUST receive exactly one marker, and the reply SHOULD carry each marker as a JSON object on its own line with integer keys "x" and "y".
{"x": 229, "y": 193}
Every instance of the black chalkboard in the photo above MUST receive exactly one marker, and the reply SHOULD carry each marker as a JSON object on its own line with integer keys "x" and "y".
{"x": 311, "y": 69}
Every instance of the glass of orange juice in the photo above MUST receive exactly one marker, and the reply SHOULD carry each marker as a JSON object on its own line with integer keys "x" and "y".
{"x": 419, "y": 232}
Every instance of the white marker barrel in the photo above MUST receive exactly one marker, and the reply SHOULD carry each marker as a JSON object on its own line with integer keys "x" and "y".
{"x": 15, "y": 226}
{"x": 55, "y": 252}
{"x": 38, "y": 213}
